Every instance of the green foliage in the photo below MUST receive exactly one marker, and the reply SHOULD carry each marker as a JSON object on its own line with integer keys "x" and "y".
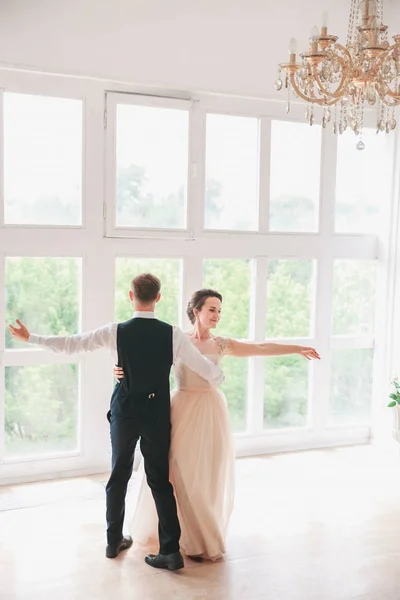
{"x": 41, "y": 409}
{"x": 292, "y": 213}
{"x": 285, "y": 391}
{"x": 354, "y": 290}
{"x": 138, "y": 208}
{"x": 395, "y": 395}
{"x": 41, "y": 401}
{"x": 169, "y": 272}
{"x": 43, "y": 292}
{"x": 289, "y": 298}
{"x": 232, "y": 279}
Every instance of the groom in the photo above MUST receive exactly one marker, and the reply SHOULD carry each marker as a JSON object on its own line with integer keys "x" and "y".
{"x": 140, "y": 408}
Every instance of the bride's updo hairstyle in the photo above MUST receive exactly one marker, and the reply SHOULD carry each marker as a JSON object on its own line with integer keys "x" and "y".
{"x": 197, "y": 301}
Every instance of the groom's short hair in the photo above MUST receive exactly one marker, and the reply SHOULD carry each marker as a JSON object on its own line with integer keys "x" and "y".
{"x": 146, "y": 287}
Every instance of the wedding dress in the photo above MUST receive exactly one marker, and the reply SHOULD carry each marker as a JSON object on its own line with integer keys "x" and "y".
{"x": 202, "y": 464}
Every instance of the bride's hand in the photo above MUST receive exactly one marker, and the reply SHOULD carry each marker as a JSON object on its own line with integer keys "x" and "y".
{"x": 309, "y": 353}
{"x": 118, "y": 373}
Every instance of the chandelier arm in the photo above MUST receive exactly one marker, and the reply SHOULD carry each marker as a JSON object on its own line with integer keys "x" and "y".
{"x": 393, "y": 95}
{"x": 329, "y": 98}
{"x": 395, "y": 98}
{"x": 387, "y": 91}
{"x": 311, "y": 99}
{"x": 343, "y": 82}
{"x": 386, "y": 54}
{"x": 346, "y": 53}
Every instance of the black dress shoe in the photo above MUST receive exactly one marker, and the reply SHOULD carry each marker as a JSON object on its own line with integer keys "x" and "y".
{"x": 173, "y": 562}
{"x": 113, "y": 550}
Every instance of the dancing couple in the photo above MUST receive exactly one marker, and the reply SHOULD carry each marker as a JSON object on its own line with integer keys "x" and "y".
{"x": 185, "y": 439}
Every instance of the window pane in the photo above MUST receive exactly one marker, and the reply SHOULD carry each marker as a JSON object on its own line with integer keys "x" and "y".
{"x": 285, "y": 392}
{"x": 152, "y": 166}
{"x": 232, "y": 167}
{"x": 351, "y": 386}
{"x": 363, "y": 182}
{"x": 41, "y": 409}
{"x": 42, "y": 160}
{"x": 44, "y": 293}
{"x": 295, "y": 176}
{"x": 169, "y": 272}
{"x": 232, "y": 278}
{"x": 289, "y": 298}
{"x": 354, "y": 297}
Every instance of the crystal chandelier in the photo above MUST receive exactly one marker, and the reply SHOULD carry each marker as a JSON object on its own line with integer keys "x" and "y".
{"x": 345, "y": 80}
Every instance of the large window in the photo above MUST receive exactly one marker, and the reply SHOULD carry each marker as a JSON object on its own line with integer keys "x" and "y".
{"x": 42, "y": 160}
{"x": 285, "y": 220}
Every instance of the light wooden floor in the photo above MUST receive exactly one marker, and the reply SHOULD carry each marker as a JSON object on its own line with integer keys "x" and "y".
{"x": 308, "y": 526}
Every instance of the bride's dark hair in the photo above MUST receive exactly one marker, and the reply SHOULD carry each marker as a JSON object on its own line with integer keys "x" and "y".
{"x": 197, "y": 301}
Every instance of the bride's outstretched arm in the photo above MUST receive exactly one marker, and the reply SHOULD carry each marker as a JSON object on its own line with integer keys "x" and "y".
{"x": 246, "y": 349}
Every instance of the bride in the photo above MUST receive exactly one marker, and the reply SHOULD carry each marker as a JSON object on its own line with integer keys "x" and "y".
{"x": 202, "y": 456}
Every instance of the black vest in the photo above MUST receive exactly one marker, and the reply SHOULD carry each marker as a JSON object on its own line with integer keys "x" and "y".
{"x": 145, "y": 355}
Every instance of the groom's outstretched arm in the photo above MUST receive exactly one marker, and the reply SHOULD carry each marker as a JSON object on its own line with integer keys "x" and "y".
{"x": 191, "y": 357}
{"x": 103, "y": 337}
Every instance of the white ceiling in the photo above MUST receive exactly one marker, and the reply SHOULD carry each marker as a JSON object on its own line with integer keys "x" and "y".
{"x": 228, "y": 46}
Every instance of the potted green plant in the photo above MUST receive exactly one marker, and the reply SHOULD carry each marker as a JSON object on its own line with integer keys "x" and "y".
{"x": 395, "y": 404}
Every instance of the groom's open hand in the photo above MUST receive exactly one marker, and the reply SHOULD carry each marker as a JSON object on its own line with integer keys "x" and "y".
{"x": 19, "y": 333}
{"x": 118, "y": 373}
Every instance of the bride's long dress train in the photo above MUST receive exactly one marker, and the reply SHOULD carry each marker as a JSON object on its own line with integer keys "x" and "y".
{"x": 202, "y": 463}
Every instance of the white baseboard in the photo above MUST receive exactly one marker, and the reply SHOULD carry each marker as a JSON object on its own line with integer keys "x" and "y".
{"x": 246, "y": 446}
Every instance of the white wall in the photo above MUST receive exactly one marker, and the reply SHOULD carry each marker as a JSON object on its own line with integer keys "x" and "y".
{"x": 227, "y": 46}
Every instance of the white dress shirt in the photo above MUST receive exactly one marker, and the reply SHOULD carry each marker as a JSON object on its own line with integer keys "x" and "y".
{"x": 106, "y": 337}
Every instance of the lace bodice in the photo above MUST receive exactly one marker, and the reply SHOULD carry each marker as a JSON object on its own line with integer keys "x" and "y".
{"x": 213, "y": 349}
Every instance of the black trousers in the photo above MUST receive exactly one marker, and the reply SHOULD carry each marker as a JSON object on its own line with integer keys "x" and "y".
{"x": 154, "y": 432}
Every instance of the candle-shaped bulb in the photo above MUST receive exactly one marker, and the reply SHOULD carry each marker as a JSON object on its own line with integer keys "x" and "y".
{"x": 292, "y": 46}
{"x": 314, "y": 34}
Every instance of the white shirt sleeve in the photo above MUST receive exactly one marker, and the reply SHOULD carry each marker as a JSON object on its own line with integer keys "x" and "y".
{"x": 184, "y": 350}
{"x": 104, "y": 337}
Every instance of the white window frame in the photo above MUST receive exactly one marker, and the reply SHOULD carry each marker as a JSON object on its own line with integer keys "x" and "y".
{"x": 98, "y": 244}
{"x": 112, "y": 100}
